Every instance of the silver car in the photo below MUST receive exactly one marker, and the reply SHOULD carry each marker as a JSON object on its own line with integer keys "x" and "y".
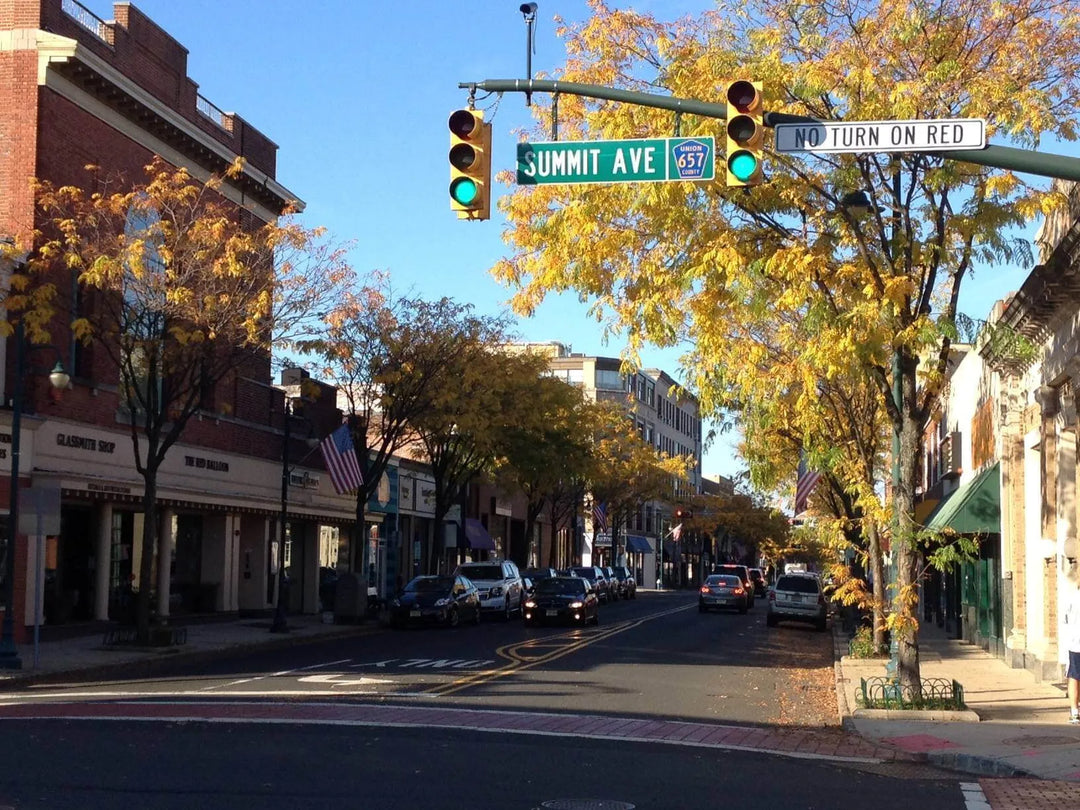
{"x": 797, "y": 597}
{"x": 722, "y": 590}
{"x": 499, "y": 583}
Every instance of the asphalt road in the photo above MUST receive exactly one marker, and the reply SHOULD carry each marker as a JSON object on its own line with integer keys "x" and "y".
{"x": 66, "y": 765}
{"x": 652, "y": 656}
{"x": 655, "y": 657}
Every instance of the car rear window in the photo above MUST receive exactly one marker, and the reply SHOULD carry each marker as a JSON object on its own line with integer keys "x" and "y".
{"x": 797, "y": 584}
{"x": 724, "y": 579}
{"x": 482, "y": 571}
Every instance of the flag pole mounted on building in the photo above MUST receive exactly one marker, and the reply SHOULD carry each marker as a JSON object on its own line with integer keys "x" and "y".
{"x": 805, "y": 482}
{"x": 341, "y": 461}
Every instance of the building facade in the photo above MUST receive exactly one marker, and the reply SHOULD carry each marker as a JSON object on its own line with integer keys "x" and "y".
{"x": 77, "y": 90}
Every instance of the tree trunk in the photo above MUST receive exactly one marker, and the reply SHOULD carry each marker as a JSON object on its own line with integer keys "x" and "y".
{"x": 905, "y": 555}
{"x": 877, "y": 577}
{"x": 146, "y": 564}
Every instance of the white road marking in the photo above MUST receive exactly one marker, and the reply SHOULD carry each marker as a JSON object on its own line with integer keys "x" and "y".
{"x": 332, "y": 679}
{"x": 974, "y": 798}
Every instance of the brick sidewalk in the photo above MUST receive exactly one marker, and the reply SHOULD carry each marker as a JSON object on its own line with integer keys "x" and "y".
{"x": 828, "y": 744}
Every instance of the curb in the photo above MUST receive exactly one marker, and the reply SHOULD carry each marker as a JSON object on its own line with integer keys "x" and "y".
{"x": 917, "y": 715}
{"x": 977, "y": 765}
{"x": 149, "y": 666}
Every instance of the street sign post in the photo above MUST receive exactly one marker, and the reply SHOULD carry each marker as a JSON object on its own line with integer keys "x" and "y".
{"x": 627, "y": 161}
{"x": 882, "y": 136}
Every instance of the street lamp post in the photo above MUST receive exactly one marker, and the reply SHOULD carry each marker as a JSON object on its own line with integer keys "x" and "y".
{"x": 280, "y": 623}
{"x": 9, "y": 656}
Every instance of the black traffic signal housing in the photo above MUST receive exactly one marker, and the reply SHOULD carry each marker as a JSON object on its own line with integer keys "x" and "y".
{"x": 745, "y": 134}
{"x": 470, "y": 164}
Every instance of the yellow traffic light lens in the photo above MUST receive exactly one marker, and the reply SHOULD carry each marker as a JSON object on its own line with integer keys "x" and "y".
{"x": 742, "y": 128}
{"x": 743, "y": 165}
{"x": 464, "y": 191}
{"x": 462, "y": 157}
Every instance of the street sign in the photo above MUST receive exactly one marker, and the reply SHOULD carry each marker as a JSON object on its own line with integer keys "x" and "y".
{"x": 882, "y": 136}
{"x": 630, "y": 161}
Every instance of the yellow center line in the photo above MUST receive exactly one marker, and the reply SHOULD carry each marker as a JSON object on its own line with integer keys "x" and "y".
{"x": 518, "y": 663}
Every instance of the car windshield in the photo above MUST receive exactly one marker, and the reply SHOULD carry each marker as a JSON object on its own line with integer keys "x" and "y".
{"x": 797, "y": 584}
{"x": 430, "y": 584}
{"x": 588, "y": 573}
{"x": 557, "y": 587}
{"x": 483, "y": 572}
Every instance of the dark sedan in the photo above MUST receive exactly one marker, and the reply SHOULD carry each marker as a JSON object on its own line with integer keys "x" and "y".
{"x": 564, "y": 600}
{"x": 446, "y": 600}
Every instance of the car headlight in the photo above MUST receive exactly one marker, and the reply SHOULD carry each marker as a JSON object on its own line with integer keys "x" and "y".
{"x": 530, "y": 603}
{"x": 576, "y": 605}
{"x": 442, "y": 602}
{"x": 496, "y": 591}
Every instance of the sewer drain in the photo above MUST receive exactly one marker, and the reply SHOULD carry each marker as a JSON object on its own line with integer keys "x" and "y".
{"x": 586, "y": 804}
{"x": 1032, "y": 740}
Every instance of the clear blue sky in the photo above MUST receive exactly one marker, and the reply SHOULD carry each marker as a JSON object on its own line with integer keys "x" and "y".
{"x": 356, "y": 94}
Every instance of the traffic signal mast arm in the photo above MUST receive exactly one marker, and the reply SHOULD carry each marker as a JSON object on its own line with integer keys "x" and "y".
{"x": 1000, "y": 157}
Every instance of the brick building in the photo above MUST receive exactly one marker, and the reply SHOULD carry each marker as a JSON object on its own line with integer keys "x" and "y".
{"x": 76, "y": 90}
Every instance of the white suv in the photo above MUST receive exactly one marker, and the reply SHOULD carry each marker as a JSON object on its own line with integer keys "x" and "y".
{"x": 499, "y": 583}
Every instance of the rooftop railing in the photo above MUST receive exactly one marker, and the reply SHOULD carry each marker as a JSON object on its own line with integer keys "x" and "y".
{"x": 88, "y": 20}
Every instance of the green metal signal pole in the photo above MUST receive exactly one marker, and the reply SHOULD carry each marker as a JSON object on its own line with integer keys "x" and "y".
{"x": 1001, "y": 157}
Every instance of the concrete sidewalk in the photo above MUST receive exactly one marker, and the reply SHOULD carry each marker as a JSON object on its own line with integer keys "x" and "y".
{"x": 1016, "y": 726}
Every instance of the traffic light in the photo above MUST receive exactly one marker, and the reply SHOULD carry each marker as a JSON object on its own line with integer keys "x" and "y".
{"x": 745, "y": 134}
{"x": 470, "y": 164}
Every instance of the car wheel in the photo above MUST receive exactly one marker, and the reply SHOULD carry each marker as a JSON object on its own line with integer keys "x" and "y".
{"x": 476, "y": 615}
{"x": 770, "y": 620}
{"x": 596, "y": 619}
{"x": 506, "y": 609}
{"x": 452, "y": 617}
{"x": 701, "y": 608}
{"x": 742, "y": 610}
{"x": 819, "y": 625}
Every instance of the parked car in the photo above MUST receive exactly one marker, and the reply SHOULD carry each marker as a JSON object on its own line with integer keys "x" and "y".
{"x": 615, "y": 583}
{"x": 797, "y": 597}
{"x": 530, "y": 576}
{"x": 595, "y": 578}
{"x": 722, "y": 591}
{"x": 446, "y": 600}
{"x": 758, "y": 578}
{"x": 562, "y": 600}
{"x": 743, "y": 573}
{"x": 499, "y": 583}
{"x": 628, "y": 580}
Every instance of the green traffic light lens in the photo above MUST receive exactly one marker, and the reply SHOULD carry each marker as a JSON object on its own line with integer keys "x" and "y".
{"x": 743, "y": 165}
{"x": 464, "y": 191}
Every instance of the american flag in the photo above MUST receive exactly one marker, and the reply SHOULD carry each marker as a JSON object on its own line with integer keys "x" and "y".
{"x": 340, "y": 457}
{"x": 599, "y": 516}
{"x": 804, "y": 485}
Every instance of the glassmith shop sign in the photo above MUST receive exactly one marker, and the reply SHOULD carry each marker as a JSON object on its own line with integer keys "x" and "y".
{"x": 630, "y": 161}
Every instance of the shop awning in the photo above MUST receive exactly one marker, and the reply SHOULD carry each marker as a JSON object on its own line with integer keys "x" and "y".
{"x": 478, "y": 536}
{"x": 637, "y": 543}
{"x": 975, "y": 508}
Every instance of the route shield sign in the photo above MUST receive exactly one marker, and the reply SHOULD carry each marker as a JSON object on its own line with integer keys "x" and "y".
{"x": 882, "y": 136}
{"x": 629, "y": 161}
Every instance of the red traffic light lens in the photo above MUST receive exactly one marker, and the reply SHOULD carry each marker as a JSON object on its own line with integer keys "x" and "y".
{"x": 742, "y": 94}
{"x": 463, "y": 123}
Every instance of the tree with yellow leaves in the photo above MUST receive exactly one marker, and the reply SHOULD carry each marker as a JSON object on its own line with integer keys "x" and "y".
{"x": 667, "y": 261}
{"x": 180, "y": 290}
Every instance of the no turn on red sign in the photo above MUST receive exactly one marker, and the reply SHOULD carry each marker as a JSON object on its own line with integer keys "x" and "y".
{"x": 882, "y": 136}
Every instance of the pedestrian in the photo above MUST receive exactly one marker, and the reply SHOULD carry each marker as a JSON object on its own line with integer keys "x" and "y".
{"x": 1072, "y": 639}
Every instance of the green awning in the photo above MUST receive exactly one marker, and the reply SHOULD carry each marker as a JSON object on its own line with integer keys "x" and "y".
{"x": 975, "y": 508}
